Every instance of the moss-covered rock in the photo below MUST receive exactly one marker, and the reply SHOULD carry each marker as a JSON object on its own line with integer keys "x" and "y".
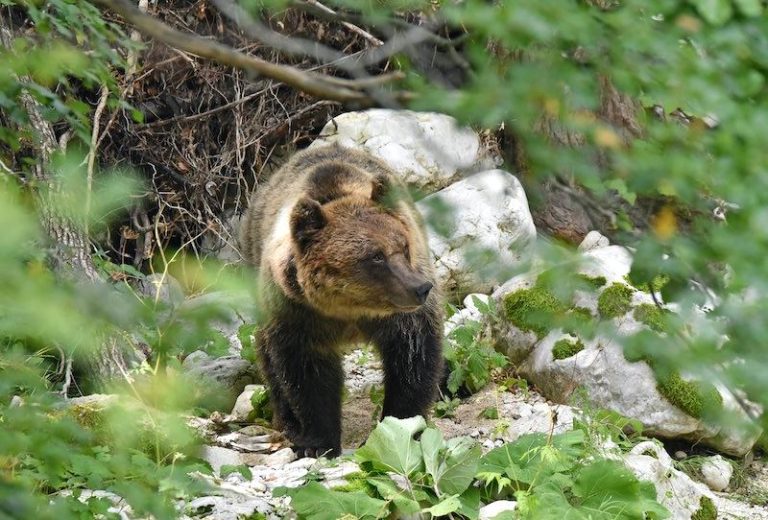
{"x": 706, "y": 511}
{"x": 651, "y": 315}
{"x": 533, "y": 310}
{"x": 696, "y": 398}
{"x": 615, "y": 300}
{"x": 566, "y": 348}
{"x": 593, "y": 281}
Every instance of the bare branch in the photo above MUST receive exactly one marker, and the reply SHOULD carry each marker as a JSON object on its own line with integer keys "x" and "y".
{"x": 352, "y": 27}
{"x": 315, "y": 84}
{"x": 317, "y": 51}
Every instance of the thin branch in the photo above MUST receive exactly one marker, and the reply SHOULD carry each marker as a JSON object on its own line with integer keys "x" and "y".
{"x": 315, "y": 50}
{"x": 201, "y": 115}
{"x": 352, "y": 27}
{"x": 311, "y": 83}
{"x": 103, "y": 97}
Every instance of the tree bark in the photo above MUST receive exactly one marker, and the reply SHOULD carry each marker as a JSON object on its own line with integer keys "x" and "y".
{"x": 69, "y": 247}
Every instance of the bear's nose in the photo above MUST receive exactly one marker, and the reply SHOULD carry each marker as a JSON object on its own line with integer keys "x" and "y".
{"x": 422, "y": 291}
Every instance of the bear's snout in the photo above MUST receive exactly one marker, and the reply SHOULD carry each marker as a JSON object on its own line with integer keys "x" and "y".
{"x": 422, "y": 291}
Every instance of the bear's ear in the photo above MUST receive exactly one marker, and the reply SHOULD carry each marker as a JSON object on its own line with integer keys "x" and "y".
{"x": 307, "y": 218}
{"x": 383, "y": 192}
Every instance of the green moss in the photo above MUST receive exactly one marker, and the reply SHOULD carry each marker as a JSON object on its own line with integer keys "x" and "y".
{"x": 566, "y": 348}
{"x": 593, "y": 281}
{"x": 355, "y": 482}
{"x": 696, "y": 398}
{"x": 706, "y": 511}
{"x": 657, "y": 283}
{"x": 651, "y": 315}
{"x": 533, "y": 309}
{"x": 615, "y": 300}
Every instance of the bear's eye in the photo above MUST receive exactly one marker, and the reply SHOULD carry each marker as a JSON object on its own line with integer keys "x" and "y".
{"x": 378, "y": 258}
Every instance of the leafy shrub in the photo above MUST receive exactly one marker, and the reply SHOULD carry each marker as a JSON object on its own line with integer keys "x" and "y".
{"x": 470, "y": 355}
{"x": 547, "y": 475}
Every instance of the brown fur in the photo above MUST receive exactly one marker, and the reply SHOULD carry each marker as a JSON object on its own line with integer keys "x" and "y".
{"x": 342, "y": 255}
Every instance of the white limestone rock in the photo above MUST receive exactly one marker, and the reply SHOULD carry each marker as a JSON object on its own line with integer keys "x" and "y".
{"x": 674, "y": 489}
{"x": 717, "y": 473}
{"x": 481, "y": 230}
{"x": 494, "y": 509}
{"x": 427, "y": 149}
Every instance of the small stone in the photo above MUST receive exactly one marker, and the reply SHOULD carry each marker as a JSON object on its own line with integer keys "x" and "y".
{"x": 162, "y": 288}
{"x": 281, "y": 457}
{"x": 593, "y": 240}
{"x": 218, "y": 457}
{"x": 303, "y": 463}
{"x": 717, "y": 473}
{"x": 243, "y": 409}
{"x": 340, "y": 471}
{"x": 232, "y": 373}
{"x": 16, "y": 401}
{"x": 494, "y": 509}
{"x": 680, "y": 455}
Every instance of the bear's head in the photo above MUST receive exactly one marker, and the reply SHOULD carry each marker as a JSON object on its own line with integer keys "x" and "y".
{"x": 353, "y": 258}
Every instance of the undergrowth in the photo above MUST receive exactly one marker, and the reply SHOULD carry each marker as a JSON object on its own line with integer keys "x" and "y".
{"x": 407, "y": 468}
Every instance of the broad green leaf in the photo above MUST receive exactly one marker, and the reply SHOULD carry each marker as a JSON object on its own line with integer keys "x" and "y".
{"x": 470, "y": 503}
{"x": 391, "y": 446}
{"x": 315, "y": 502}
{"x": 609, "y": 487}
{"x": 532, "y": 457}
{"x": 447, "y": 506}
{"x": 431, "y": 444}
{"x": 387, "y": 488}
{"x": 716, "y": 12}
{"x": 458, "y": 468}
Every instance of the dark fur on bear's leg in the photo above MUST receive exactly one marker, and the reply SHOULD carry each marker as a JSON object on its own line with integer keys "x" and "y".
{"x": 411, "y": 352}
{"x": 305, "y": 377}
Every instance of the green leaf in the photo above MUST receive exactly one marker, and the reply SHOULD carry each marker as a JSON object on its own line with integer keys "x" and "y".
{"x": 431, "y": 444}
{"x": 750, "y": 7}
{"x": 404, "y": 503}
{"x": 716, "y": 12}
{"x": 621, "y": 188}
{"x": 445, "y": 507}
{"x": 457, "y": 471}
{"x": 227, "y": 469}
{"x": 609, "y": 487}
{"x": 470, "y": 502}
{"x": 391, "y": 446}
{"x": 315, "y": 502}
{"x": 532, "y": 457}
{"x": 482, "y": 306}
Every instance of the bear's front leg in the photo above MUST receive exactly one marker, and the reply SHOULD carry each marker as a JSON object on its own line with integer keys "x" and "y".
{"x": 411, "y": 349}
{"x": 305, "y": 377}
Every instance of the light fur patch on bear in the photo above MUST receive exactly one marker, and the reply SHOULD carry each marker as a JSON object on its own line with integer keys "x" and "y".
{"x": 278, "y": 247}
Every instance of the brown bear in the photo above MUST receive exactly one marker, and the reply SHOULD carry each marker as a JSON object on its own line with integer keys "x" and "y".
{"x": 342, "y": 257}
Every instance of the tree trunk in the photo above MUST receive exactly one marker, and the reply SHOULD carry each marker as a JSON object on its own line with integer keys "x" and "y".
{"x": 69, "y": 248}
